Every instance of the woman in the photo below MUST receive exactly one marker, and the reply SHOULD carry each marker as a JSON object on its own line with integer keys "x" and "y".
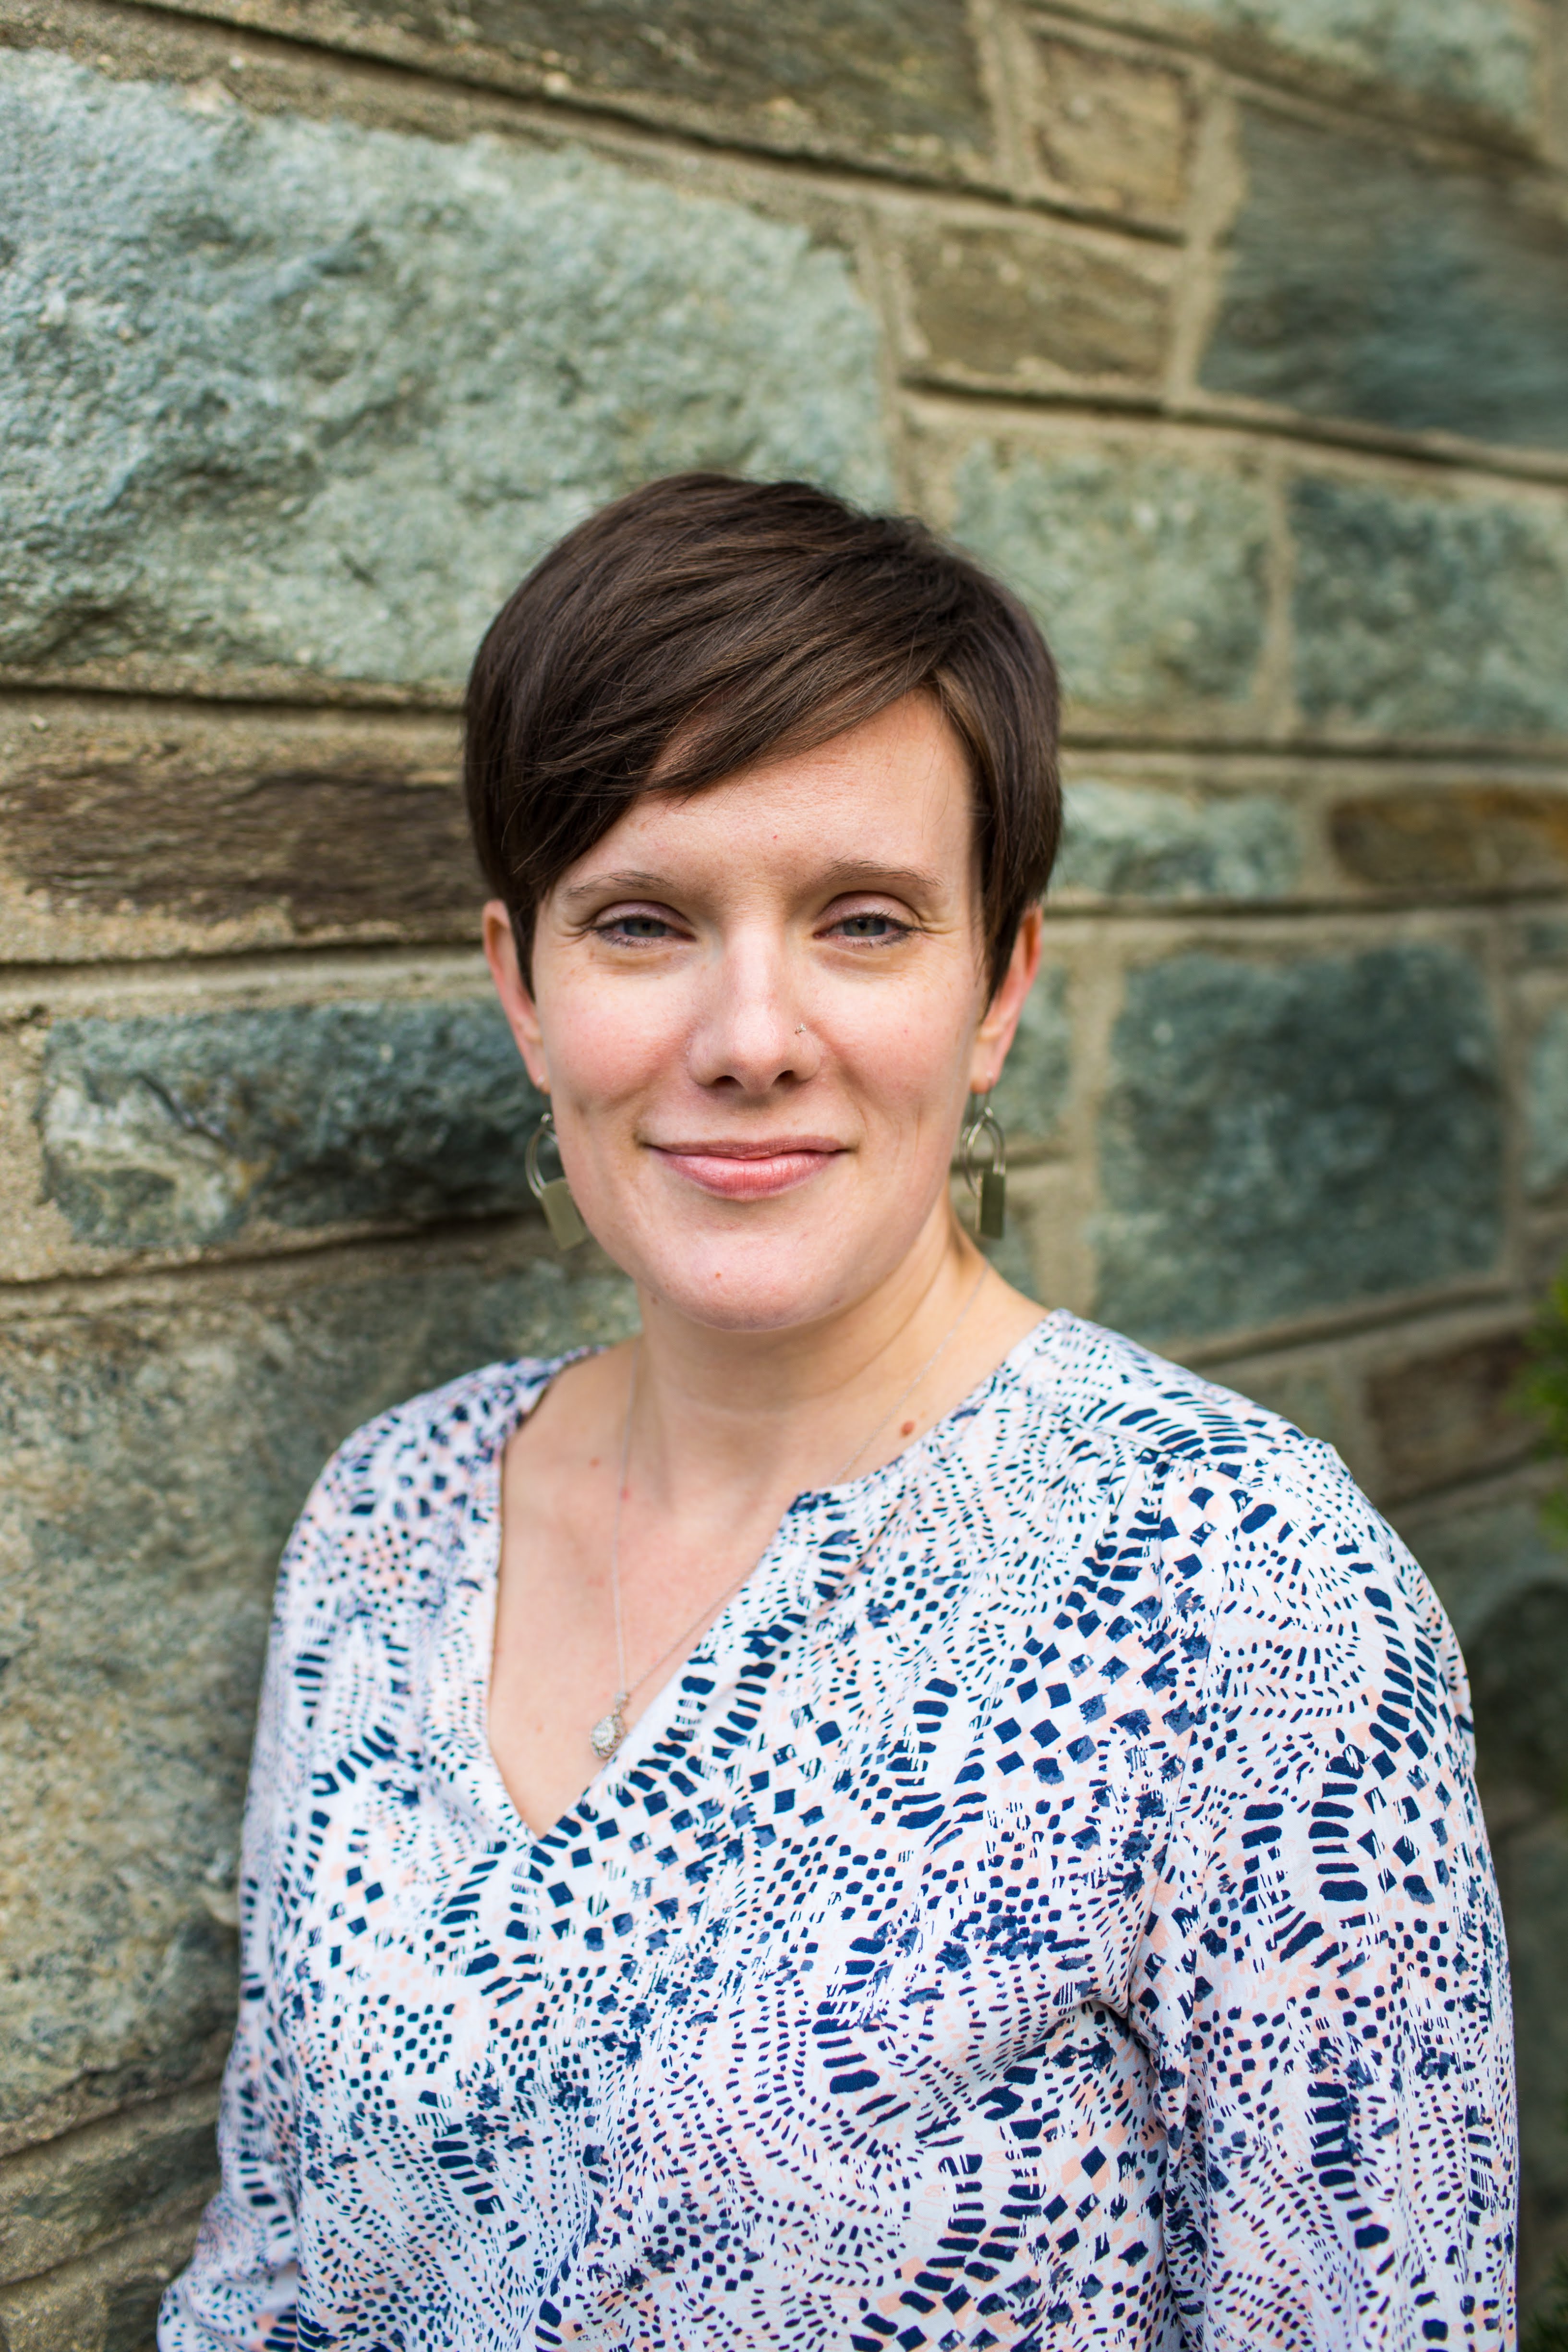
{"x": 872, "y": 1814}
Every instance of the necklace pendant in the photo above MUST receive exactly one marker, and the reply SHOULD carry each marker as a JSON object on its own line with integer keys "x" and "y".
{"x": 610, "y": 1730}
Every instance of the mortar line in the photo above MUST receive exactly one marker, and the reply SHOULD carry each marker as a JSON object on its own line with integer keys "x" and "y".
{"x": 1214, "y": 416}
{"x": 1336, "y": 1323}
{"x": 421, "y": 1246}
{"x": 21, "y": 693}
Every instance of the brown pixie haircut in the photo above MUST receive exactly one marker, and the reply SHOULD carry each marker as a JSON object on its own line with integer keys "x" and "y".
{"x": 701, "y": 625}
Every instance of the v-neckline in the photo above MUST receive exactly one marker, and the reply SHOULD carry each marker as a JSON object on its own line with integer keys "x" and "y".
{"x": 480, "y": 1584}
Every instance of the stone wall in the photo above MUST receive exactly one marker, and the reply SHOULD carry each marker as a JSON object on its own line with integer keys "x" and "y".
{"x": 1235, "y": 331}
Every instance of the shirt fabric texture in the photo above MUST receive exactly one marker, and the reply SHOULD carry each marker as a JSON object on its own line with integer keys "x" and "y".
{"x": 1072, "y": 1925}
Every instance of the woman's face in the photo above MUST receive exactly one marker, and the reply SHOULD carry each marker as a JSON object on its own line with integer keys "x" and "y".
{"x": 758, "y": 1011}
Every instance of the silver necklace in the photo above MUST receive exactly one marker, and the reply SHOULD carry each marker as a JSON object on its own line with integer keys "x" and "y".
{"x": 607, "y": 1733}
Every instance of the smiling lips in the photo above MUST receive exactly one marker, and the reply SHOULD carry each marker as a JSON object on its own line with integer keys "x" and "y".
{"x": 754, "y": 1171}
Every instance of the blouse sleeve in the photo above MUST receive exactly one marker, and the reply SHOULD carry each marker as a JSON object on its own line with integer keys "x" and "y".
{"x": 239, "y": 2289}
{"x": 1323, "y": 1979}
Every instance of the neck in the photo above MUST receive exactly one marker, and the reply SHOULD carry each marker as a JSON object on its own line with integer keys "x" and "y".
{"x": 744, "y": 1410}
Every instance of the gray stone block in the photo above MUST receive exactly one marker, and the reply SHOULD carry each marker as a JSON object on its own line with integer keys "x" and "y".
{"x": 1280, "y": 1137}
{"x": 1423, "y": 615}
{"x": 1479, "y": 57}
{"x": 156, "y": 1453}
{"x": 1129, "y": 841}
{"x": 291, "y": 395}
{"x": 1145, "y": 572}
{"x": 897, "y": 80}
{"x": 1364, "y": 282}
{"x": 1546, "y": 1104}
{"x": 179, "y": 1132}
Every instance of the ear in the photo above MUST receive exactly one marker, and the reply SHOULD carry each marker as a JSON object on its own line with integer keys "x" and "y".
{"x": 517, "y": 998}
{"x": 995, "y": 1034}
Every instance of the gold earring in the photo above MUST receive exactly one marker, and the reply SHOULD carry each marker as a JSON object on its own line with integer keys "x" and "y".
{"x": 562, "y": 1215}
{"x": 990, "y": 1187}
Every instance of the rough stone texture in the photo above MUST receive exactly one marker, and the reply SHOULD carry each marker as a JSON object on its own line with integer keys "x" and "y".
{"x": 232, "y": 829}
{"x": 1426, "y": 616}
{"x": 1145, "y": 571}
{"x": 1017, "y": 310}
{"x": 1364, "y": 282}
{"x": 1440, "y": 1417}
{"x": 156, "y": 1453}
{"x": 1031, "y": 1096}
{"x": 1545, "y": 938}
{"x": 59, "y": 2201}
{"x": 1280, "y": 1138}
{"x": 1454, "y": 837}
{"x": 107, "y": 2303}
{"x": 1112, "y": 132}
{"x": 1546, "y": 1104}
{"x": 1474, "y": 58}
{"x": 288, "y": 395}
{"x": 179, "y": 1132}
{"x": 892, "y": 81}
{"x": 1129, "y": 841}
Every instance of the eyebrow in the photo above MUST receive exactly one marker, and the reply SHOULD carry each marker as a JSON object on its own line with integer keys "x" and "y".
{"x": 576, "y": 891}
{"x": 857, "y": 874}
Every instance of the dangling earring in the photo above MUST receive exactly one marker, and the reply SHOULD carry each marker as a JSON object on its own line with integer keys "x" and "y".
{"x": 990, "y": 1187}
{"x": 561, "y": 1212}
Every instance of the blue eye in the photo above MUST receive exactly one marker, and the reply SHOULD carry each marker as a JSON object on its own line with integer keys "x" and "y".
{"x": 634, "y": 926}
{"x": 874, "y": 927}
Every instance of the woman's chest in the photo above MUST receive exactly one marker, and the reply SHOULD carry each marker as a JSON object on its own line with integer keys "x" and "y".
{"x": 892, "y": 1929}
{"x": 836, "y": 1969}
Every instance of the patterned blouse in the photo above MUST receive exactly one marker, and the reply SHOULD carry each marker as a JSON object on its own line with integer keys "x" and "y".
{"x": 1071, "y": 1924}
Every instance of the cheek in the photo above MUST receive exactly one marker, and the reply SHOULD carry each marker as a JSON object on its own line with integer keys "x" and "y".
{"x": 606, "y": 1046}
{"x": 910, "y": 1049}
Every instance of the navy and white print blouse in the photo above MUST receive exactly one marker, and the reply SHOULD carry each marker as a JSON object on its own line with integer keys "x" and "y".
{"x": 1071, "y": 1926}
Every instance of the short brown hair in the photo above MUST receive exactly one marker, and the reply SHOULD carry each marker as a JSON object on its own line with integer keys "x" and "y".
{"x": 702, "y": 624}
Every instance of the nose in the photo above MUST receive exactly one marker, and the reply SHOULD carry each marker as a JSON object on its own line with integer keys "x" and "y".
{"x": 752, "y": 1033}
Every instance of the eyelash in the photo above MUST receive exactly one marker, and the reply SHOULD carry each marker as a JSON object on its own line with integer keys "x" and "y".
{"x": 617, "y": 928}
{"x": 895, "y": 930}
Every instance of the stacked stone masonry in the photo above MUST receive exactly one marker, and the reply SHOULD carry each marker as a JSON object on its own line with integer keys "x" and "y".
{"x": 1235, "y": 333}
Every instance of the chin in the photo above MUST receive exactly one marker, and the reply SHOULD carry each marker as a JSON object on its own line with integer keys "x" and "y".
{"x": 774, "y": 1284}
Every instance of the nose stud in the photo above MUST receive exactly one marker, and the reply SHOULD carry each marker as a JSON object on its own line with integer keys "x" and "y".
{"x": 799, "y": 1028}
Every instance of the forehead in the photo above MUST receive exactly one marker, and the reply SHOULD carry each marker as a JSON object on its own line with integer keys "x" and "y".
{"x": 893, "y": 792}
